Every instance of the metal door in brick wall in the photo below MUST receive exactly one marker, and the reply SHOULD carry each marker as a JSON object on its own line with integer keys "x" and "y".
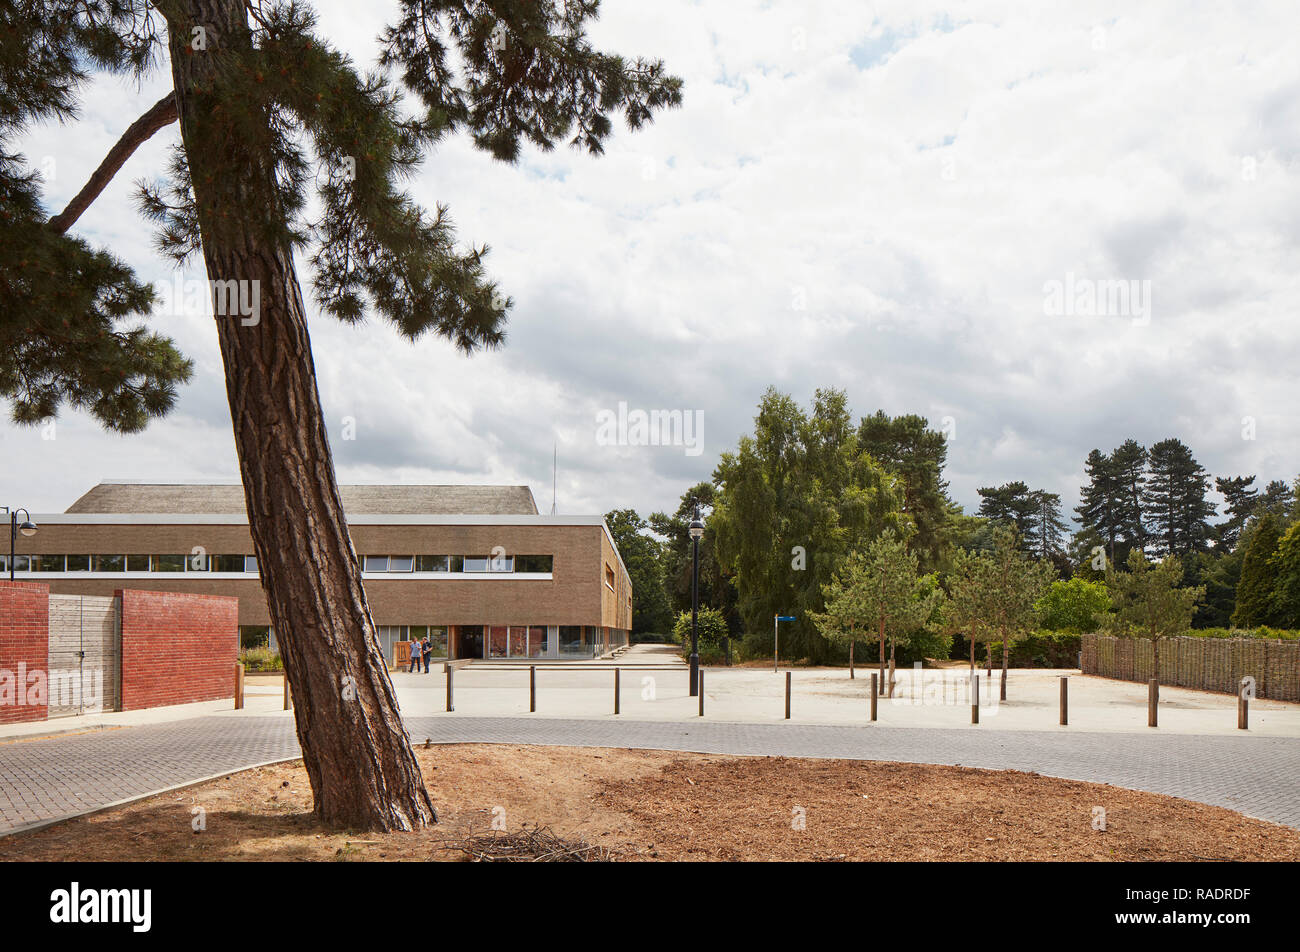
{"x": 84, "y": 675}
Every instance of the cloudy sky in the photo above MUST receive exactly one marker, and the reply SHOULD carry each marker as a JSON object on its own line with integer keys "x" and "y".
{"x": 881, "y": 198}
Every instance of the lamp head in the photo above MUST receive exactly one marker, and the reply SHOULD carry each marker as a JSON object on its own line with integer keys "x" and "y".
{"x": 697, "y": 524}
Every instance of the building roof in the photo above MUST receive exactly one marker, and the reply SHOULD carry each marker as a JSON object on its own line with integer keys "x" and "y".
{"x": 218, "y": 498}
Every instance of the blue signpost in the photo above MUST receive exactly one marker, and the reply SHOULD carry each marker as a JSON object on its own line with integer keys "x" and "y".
{"x": 776, "y": 638}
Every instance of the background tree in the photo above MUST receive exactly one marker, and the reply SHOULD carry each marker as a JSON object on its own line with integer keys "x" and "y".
{"x": 1011, "y": 505}
{"x": 266, "y": 108}
{"x": 1286, "y": 587}
{"x": 908, "y": 449}
{"x": 1150, "y": 601}
{"x": 1220, "y": 574}
{"x": 1255, "y": 602}
{"x": 1239, "y": 501}
{"x": 1048, "y": 528}
{"x": 1174, "y": 499}
{"x": 1111, "y": 505}
{"x": 1075, "y": 605}
{"x": 1128, "y": 476}
{"x": 716, "y": 588}
{"x": 1278, "y": 499}
{"x": 712, "y": 631}
{"x": 643, "y": 556}
{"x": 792, "y": 500}
{"x": 1098, "y": 510}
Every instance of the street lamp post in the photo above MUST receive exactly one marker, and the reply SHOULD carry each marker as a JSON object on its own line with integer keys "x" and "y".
{"x": 26, "y": 527}
{"x": 697, "y": 530}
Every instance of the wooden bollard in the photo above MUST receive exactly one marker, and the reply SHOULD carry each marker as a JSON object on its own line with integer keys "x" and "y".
{"x": 701, "y": 692}
{"x": 1153, "y": 698}
{"x": 616, "y": 692}
{"x": 288, "y": 695}
{"x": 1065, "y": 701}
{"x": 875, "y": 693}
{"x": 787, "y": 695}
{"x": 532, "y": 689}
{"x": 239, "y": 685}
{"x": 1243, "y": 708}
{"x": 450, "y": 706}
{"x": 975, "y": 699}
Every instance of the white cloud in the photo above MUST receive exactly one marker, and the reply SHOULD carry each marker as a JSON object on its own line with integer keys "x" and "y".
{"x": 914, "y": 175}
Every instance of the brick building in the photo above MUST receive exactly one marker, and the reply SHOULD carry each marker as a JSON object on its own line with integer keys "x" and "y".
{"x": 475, "y": 568}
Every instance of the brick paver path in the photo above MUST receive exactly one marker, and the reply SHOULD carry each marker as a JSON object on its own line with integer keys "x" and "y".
{"x": 69, "y": 774}
{"x": 59, "y": 776}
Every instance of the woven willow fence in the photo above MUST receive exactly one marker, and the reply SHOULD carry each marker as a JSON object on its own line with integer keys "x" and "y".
{"x": 1209, "y": 664}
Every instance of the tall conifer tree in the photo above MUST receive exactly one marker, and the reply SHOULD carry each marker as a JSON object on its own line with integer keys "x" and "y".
{"x": 267, "y": 107}
{"x": 1175, "y": 502}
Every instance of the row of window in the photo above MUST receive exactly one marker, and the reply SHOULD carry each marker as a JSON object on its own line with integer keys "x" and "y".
{"x": 248, "y": 563}
{"x": 458, "y": 563}
{"x": 132, "y": 563}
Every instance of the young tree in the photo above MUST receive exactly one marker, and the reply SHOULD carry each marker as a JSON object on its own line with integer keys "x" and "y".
{"x": 1239, "y": 501}
{"x": 919, "y": 621}
{"x": 1014, "y": 583}
{"x": 267, "y": 107}
{"x": 887, "y": 592}
{"x": 846, "y": 608}
{"x": 1149, "y": 602}
{"x": 966, "y": 609}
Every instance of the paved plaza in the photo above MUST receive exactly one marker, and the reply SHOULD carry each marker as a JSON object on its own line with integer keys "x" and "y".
{"x": 96, "y": 761}
{"x": 63, "y": 775}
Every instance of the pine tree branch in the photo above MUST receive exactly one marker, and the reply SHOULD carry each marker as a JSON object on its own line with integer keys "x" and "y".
{"x": 163, "y": 113}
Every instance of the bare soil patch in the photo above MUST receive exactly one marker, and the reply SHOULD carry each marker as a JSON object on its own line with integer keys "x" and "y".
{"x": 662, "y": 805}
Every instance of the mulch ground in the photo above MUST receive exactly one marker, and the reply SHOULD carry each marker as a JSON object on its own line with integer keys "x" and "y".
{"x": 659, "y": 805}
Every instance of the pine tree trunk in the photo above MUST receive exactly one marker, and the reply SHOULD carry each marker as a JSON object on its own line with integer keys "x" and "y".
{"x": 891, "y": 667}
{"x": 850, "y": 659}
{"x": 358, "y": 757}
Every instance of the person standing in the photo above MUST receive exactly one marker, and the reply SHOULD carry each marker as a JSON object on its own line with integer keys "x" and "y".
{"x": 427, "y": 650}
{"x": 415, "y": 657}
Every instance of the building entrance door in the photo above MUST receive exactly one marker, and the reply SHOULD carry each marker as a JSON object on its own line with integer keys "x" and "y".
{"x": 469, "y": 641}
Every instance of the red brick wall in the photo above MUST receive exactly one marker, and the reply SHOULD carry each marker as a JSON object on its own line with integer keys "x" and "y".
{"x": 177, "y": 648}
{"x": 25, "y": 641}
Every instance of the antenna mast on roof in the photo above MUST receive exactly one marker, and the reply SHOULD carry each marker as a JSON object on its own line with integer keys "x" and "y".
{"x": 555, "y": 455}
